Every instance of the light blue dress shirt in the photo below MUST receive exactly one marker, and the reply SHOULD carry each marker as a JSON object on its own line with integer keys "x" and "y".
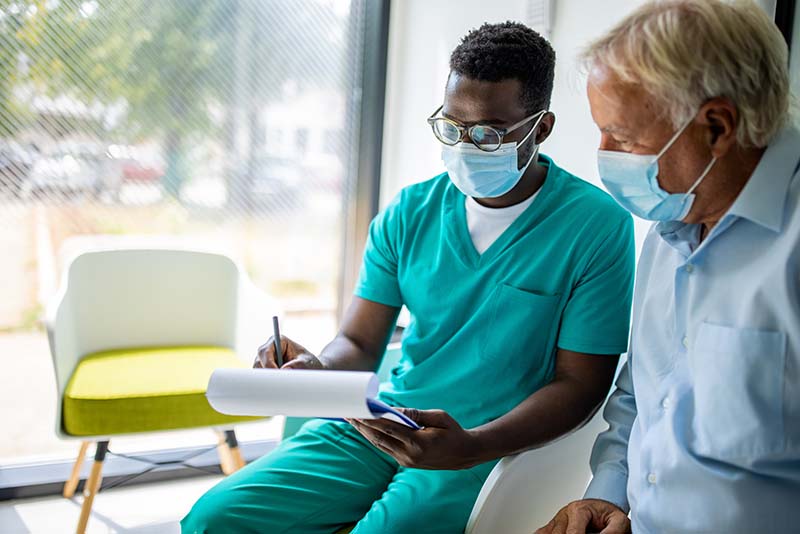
{"x": 705, "y": 420}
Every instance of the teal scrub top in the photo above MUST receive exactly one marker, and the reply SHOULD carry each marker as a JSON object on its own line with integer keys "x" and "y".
{"x": 485, "y": 328}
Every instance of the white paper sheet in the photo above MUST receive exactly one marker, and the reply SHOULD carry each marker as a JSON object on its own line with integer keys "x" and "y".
{"x": 293, "y": 393}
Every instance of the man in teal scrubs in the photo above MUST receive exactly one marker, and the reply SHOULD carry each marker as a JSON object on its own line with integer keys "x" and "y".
{"x": 518, "y": 278}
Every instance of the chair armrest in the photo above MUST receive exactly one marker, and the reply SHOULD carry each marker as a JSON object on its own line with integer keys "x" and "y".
{"x": 64, "y": 345}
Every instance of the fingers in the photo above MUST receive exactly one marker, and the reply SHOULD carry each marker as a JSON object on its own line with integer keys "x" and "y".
{"x": 548, "y": 528}
{"x": 618, "y": 523}
{"x": 578, "y": 519}
{"x": 290, "y": 351}
{"x": 381, "y": 447}
{"x": 265, "y": 355}
{"x": 301, "y": 363}
{"x": 430, "y": 418}
{"x": 294, "y": 356}
{"x": 574, "y": 518}
{"x": 559, "y": 525}
{"x": 390, "y": 428}
{"x": 304, "y": 360}
{"x": 384, "y": 442}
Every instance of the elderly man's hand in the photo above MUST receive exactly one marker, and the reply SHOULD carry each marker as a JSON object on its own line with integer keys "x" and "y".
{"x": 440, "y": 444}
{"x": 588, "y": 515}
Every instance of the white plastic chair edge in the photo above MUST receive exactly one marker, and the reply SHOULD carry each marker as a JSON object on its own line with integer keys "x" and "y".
{"x": 517, "y": 464}
{"x": 594, "y": 426}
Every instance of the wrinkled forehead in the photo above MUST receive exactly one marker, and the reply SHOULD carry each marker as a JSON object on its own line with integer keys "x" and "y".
{"x": 620, "y": 106}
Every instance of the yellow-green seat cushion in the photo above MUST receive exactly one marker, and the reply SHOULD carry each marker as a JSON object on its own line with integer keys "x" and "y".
{"x": 145, "y": 389}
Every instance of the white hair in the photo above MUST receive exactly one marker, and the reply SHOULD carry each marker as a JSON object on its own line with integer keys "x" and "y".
{"x": 685, "y": 52}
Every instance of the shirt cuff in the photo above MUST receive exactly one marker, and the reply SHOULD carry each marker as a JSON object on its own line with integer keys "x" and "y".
{"x": 609, "y": 485}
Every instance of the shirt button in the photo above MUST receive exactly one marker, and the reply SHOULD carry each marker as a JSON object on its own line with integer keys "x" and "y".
{"x": 685, "y": 341}
{"x": 651, "y": 478}
{"x": 665, "y": 403}
{"x": 689, "y": 268}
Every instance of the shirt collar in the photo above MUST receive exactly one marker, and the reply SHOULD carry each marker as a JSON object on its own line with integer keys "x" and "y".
{"x": 763, "y": 198}
{"x": 681, "y": 236}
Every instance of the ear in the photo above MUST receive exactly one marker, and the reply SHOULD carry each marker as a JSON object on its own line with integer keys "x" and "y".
{"x": 545, "y": 127}
{"x": 720, "y": 118}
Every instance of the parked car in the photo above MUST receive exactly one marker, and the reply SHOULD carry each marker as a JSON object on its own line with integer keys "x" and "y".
{"x": 15, "y": 165}
{"x": 65, "y": 173}
{"x": 277, "y": 183}
{"x": 136, "y": 171}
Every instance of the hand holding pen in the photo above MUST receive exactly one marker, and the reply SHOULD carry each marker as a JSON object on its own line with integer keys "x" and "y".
{"x": 280, "y": 352}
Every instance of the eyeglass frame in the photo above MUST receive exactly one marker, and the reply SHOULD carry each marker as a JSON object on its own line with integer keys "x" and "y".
{"x": 502, "y": 132}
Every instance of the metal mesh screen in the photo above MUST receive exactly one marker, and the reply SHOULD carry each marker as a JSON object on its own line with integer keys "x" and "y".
{"x": 232, "y": 119}
{"x": 215, "y": 122}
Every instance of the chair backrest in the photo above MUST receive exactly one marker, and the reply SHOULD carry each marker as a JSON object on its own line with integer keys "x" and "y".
{"x": 141, "y": 298}
{"x": 523, "y": 492}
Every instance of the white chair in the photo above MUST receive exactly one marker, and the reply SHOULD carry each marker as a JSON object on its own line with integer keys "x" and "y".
{"x": 523, "y": 492}
{"x": 142, "y": 299}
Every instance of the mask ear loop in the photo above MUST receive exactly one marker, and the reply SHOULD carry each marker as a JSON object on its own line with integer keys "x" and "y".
{"x": 525, "y": 139}
{"x": 674, "y": 138}
{"x": 702, "y": 175}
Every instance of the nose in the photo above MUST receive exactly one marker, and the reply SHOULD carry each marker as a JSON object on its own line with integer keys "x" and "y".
{"x": 465, "y": 137}
{"x": 607, "y": 143}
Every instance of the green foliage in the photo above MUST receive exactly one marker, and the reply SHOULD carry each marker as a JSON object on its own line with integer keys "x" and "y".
{"x": 11, "y": 24}
{"x": 169, "y": 63}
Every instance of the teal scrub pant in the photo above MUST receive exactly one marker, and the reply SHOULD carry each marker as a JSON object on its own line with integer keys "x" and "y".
{"x": 328, "y": 476}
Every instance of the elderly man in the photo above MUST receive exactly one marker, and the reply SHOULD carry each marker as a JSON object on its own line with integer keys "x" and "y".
{"x": 692, "y": 101}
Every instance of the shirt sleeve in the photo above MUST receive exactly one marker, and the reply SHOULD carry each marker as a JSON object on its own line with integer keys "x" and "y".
{"x": 596, "y": 318}
{"x": 609, "y": 460}
{"x": 377, "y": 279}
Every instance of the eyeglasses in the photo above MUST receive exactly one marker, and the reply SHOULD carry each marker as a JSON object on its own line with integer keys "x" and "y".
{"x": 485, "y": 137}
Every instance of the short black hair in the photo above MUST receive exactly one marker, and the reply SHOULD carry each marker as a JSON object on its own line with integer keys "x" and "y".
{"x": 509, "y": 50}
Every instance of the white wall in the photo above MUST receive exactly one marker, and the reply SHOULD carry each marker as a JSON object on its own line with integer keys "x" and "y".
{"x": 422, "y": 35}
{"x": 769, "y": 6}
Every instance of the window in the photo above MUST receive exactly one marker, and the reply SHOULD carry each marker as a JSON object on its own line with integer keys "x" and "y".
{"x": 794, "y": 52}
{"x": 143, "y": 119}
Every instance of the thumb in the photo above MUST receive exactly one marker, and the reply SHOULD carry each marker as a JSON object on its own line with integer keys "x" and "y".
{"x": 295, "y": 364}
{"x": 429, "y": 418}
{"x": 617, "y": 523}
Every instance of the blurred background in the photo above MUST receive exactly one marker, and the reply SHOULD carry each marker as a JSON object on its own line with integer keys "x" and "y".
{"x": 272, "y": 129}
{"x": 232, "y": 125}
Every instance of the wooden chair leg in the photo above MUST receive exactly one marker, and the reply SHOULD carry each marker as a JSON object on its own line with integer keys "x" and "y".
{"x": 92, "y": 485}
{"x": 238, "y": 459}
{"x": 230, "y": 457}
{"x": 233, "y": 446}
{"x": 75, "y": 477}
{"x": 225, "y": 458}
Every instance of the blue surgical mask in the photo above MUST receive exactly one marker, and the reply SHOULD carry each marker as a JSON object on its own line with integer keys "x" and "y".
{"x": 632, "y": 179}
{"x": 481, "y": 174}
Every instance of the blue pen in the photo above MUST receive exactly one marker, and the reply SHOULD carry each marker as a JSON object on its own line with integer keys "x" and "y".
{"x": 276, "y": 339}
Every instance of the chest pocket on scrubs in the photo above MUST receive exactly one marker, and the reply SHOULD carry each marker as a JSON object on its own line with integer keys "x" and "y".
{"x": 520, "y": 327}
{"x": 738, "y": 379}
